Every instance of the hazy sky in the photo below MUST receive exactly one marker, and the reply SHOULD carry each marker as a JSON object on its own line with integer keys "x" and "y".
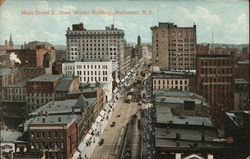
{"x": 229, "y": 19}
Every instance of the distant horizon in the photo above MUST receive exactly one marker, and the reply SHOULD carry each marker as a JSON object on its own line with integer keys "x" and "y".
{"x": 48, "y": 20}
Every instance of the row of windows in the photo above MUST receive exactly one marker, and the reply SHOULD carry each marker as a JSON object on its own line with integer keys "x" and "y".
{"x": 91, "y": 72}
{"x": 183, "y": 88}
{"x": 14, "y": 90}
{"x": 15, "y": 97}
{"x": 181, "y": 54}
{"x": 46, "y": 134}
{"x": 216, "y": 71}
{"x": 174, "y": 44}
{"x": 170, "y": 82}
{"x": 95, "y": 49}
{"x": 86, "y": 67}
{"x": 95, "y": 79}
{"x": 93, "y": 53}
{"x": 40, "y": 94}
{"x": 95, "y": 41}
{"x": 217, "y": 62}
{"x": 49, "y": 145}
{"x": 95, "y": 32}
{"x": 92, "y": 57}
{"x": 91, "y": 66}
{"x": 39, "y": 101}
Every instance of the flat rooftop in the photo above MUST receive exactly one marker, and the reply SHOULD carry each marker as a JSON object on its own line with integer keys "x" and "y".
{"x": 51, "y": 119}
{"x": 9, "y": 135}
{"x": 176, "y": 96}
{"x": 61, "y": 107}
{"x": 4, "y": 71}
{"x": 166, "y": 117}
{"x": 64, "y": 83}
{"x": 88, "y": 88}
{"x": 89, "y": 60}
{"x": 46, "y": 78}
{"x": 185, "y": 134}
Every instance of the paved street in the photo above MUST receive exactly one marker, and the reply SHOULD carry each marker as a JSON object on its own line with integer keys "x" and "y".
{"x": 112, "y": 134}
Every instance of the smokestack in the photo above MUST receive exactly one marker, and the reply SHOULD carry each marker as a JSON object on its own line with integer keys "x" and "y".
{"x": 13, "y": 57}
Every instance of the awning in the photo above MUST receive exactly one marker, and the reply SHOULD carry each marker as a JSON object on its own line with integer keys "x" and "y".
{"x": 98, "y": 119}
{"x": 87, "y": 137}
{"x": 102, "y": 113}
{"x": 93, "y": 126}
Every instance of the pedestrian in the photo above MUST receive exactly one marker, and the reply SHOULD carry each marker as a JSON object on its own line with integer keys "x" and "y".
{"x": 85, "y": 156}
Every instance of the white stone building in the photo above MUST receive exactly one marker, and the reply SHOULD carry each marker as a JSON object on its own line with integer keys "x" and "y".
{"x": 96, "y": 44}
{"x": 92, "y": 71}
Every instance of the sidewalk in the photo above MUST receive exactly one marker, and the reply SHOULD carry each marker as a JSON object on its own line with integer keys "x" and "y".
{"x": 92, "y": 140}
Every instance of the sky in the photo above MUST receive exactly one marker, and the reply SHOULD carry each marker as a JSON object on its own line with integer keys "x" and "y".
{"x": 229, "y": 19}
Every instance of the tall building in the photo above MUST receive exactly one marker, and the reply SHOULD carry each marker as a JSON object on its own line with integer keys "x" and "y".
{"x": 174, "y": 47}
{"x": 215, "y": 81}
{"x": 96, "y": 44}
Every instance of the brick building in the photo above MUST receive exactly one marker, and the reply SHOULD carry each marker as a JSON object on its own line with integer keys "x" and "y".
{"x": 55, "y": 135}
{"x": 40, "y": 90}
{"x": 182, "y": 126}
{"x": 241, "y": 70}
{"x": 215, "y": 82}
{"x": 174, "y": 47}
{"x": 39, "y": 57}
{"x": 66, "y": 84}
{"x": 85, "y": 108}
{"x": 202, "y": 49}
{"x": 89, "y": 92}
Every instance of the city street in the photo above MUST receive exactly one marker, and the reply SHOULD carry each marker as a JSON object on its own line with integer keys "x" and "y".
{"x": 111, "y": 134}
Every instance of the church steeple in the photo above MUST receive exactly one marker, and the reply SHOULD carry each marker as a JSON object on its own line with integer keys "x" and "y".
{"x": 10, "y": 41}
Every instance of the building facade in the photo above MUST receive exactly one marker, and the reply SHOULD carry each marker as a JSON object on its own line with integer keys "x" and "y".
{"x": 241, "y": 95}
{"x": 174, "y": 47}
{"x": 39, "y": 57}
{"x": 40, "y": 90}
{"x": 92, "y": 71}
{"x": 184, "y": 81}
{"x": 241, "y": 70}
{"x": 66, "y": 84}
{"x": 56, "y": 135}
{"x": 215, "y": 82}
{"x": 96, "y": 44}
